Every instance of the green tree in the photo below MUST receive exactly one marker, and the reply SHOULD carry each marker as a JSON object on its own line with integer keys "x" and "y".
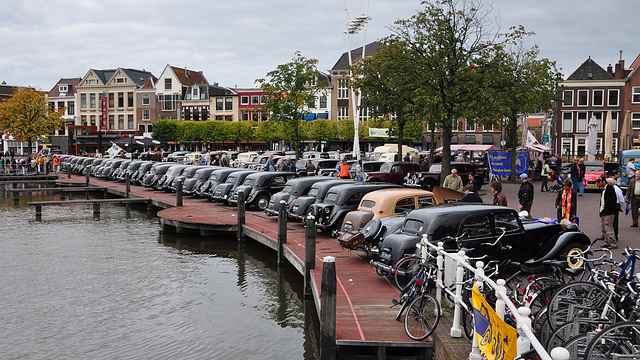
{"x": 444, "y": 44}
{"x": 26, "y": 115}
{"x": 387, "y": 82}
{"x": 165, "y": 130}
{"x": 290, "y": 88}
{"x": 270, "y": 130}
{"x": 522, "y": 84}
{"x": 240, "y": 131}
{"x": 323, "y": 130}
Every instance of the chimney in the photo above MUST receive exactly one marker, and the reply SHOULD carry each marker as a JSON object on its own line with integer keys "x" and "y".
{"x": 610, "y": 70}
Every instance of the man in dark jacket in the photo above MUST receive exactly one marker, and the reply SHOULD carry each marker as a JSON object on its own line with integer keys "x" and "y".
{"x": 575, "y": 175}
{"x": 525, "y": 195}
{"x": 608, "y": 209}
{"x": 470, "y": 196}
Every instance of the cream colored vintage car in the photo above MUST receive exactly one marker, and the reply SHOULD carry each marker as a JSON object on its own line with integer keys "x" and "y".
{"x": 393, "y": 202}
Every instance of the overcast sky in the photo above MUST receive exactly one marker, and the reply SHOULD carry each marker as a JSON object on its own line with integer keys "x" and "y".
{"x": 235, "y": 42}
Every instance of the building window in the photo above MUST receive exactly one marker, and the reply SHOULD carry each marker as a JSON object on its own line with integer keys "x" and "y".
{"x": 567, "y": 122}
{"x": 130, "y": 121}
{"x": 111, "y": 100}
{"x": 149, "y": 128}
{"x": 92, "y": 120}
{"x": 343, "y": 89}
{"x": 228, "y": 117}
{"x": 168, "y": 102}
{"x": 323, "y": 102}
{"x": 120, "y": 100}
{"x": 146, "y": 114}
{"x": 582, "y": 122}
{"x": 167, "y": 84}
{"x": 60, "y": 105}
{"x": 196, "y": 114}
{"x": 263, "y": 99}
{"x": 83, "y": 101}
{"x": 244, "y": 100}
{"x": 583, "y": 97}
{"x": 195, "y": 92}
{"x": 141, "y": 128}
{"x": 130, "y": 99}
{"x": 146, "y": 99}
{"x": 205, "y": 114}
{"x": 614, "y": 146}
{"x": 635, "y": 121}
{"x": 111, "y": 122}
{"x": 92, "y": 81}
{"x": 567, "y": 98}
{"x": 63, "y": 89}
{"x": 255, "y": 100}
{"x": 635, "y": 95}
{"x": 187, "y": 114}
{"x": 365, "y": 114}
{"x": 92, "y": 101}
{"x": 228, "y": 103}
{"x": 245, "y": 116}
{"x": 598, "y": 97}
{"x": 219, "y": 104}
{"x": 263, "y": 115}
{"x": 71, "y": 110}
{"x": 219, "y": 117}
{"x": 255, "y": 116}
{"x": 566, "y": 146}
{"x": 598, "y": 116}
{"x": 613, "y": 97}
{"x": 455, "y": 124}
{"x": 470, "y": 126}
{"x": 120, "y": 122}
{"x": 343, "y": 112}
{"x": 614, "y": 121}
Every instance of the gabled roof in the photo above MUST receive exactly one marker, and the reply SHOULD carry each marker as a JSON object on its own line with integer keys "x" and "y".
{"x": 189, "y": 77}
{"x": 356, "y": 54}
{"x": 590, "y": 70}
{"x": 72, "y": 83}
{"x": 150, "y": 83}
{"x": 139, "y": 77}
{"x": 215, "y": 90}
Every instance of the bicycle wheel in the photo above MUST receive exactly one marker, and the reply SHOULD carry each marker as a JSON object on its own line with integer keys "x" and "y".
{"x": 569, "y": 330}
{"x": 405, "y": 270}
{"x": 577, "y": 299}
{"x": 422, "y": 317}
{"x": 621, "y": 340}
{"x": 467, "y": 323}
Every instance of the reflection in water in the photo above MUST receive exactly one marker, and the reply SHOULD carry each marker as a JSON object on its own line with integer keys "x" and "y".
{"x": 76, "y": 288}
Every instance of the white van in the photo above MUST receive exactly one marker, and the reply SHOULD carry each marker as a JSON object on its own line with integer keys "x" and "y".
{"x": 392, "y": 148}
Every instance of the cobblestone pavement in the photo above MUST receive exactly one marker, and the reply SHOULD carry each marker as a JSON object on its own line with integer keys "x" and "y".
{"x": 588, "y": 209}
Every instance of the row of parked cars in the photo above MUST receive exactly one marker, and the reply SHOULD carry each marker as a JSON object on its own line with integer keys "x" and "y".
{"x": 384, "y": 218}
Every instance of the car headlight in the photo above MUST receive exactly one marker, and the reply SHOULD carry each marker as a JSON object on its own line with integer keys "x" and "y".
{"x": 327, "y": 210}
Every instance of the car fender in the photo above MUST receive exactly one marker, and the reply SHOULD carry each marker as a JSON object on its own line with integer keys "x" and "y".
{"x": 336, "y": 218}
{"x": 562, "y": 241}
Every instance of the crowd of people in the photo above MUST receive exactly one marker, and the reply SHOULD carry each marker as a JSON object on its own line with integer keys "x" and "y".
{"x": 28, "y": 164}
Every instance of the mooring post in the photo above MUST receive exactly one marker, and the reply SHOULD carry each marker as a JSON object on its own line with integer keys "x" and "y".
{"x": 96, "y": 209}
{"x": 282, "y": 230}
{"x": 328, "y": 309}
{"x": 309, "y": 253}
{"x": 87, "y": 180}
{"x": 38, "y": 212}
{"x": 179, "y": 193}
{"x": 241, "y": 215}
{"x": 16, "y": 198}
{"x": 127, "y": 182}
{"x": 68, "y": 171}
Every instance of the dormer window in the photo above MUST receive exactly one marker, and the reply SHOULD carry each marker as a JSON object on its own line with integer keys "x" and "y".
{"x": 120, "y": 80}
{"x": 92, "y": 81}
{"x": 195, "y": 92}
{"x": 63, "y": 88}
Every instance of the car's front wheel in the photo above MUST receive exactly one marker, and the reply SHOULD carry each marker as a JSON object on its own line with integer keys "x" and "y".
{"x": 428, "y": 185}
{"x": 262, "y": 202}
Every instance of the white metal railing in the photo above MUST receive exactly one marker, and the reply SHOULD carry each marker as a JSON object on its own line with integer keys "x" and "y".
{"x": 526, "y": 337}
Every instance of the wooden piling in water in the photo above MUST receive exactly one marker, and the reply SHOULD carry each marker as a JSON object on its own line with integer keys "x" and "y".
{"x": 328, "y": 309}
{"x": 179, "y": 193}
{"x": 127, "y": 183}
{"x": 282, "y": 230}
{"x": 309, "y": 253}
{"x": 87, "y": 179}
{"x": 241, "y": 215}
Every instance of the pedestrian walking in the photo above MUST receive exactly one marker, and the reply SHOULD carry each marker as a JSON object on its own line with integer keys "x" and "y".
{"x": 633, "y": 197}
{"x": 567, "y": 202}
{"x": 575, "y": 175}
{"x": 343, "y": 170}
{"x": 271, "y": 166}
{"x": 608, "y": 209}
{"x": 498, "y": 197}
{"x": 631, "y": 168}
{"x": 615, "y": 174}
{"x": 359, "y": 171}
{"x": 311, "y": 170}
{"x": 525, "y": 195}
{"x": 544, "y": 173}
{"x": 470, "y": 195}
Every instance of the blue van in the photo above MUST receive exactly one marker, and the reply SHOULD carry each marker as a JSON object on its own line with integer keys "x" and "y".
{"x": 625, "y": 155}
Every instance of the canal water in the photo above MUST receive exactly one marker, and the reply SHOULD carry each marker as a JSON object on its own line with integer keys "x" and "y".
{"x": 75, "y": 287}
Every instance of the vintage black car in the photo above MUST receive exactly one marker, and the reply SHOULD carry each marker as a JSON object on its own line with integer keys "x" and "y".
{"x": 217, "y": 177}
{"x": 222, "y": 191}
{"x": 157, "y": 172}
{"x": 167, "y": 178}
{"x": 293, "y": 189}
{"x": 479, "y": 227}
{"x": 201, "y": 175}
{"x": 186, "y": 173}
{"x": 259, "y": 187}
{"x": 107, "y": 170}
{"x": 138, "y": 176}
{"x": 434, "y": 177}
{"x": 317, "y": 192}
{"x": 116, "y": 172}
{"x": 131, "y": 168}
{"x": 339, "y": 201}
{"x": 321, "y": 165}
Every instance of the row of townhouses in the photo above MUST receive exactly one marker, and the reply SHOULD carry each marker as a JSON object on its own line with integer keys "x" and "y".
{"x": 118, "y": 103}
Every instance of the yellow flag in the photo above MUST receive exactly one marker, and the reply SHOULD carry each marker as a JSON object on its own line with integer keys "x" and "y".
{"x": 496, "y": 339}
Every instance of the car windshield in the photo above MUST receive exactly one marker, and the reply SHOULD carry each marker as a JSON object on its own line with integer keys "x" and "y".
{"x": 413, "y": 226}
{"x": 287, "y": 188}
{"x": 435, "y": 168}
{"x": 331, "y": 198}
{"x": 385, "y": 167}
{"x": 249, "y": 181}
{"x": 313, "y": 191}
{"x": 593, "y": 168}
{"x": 231, "y": 179}
{"x": 213, "y": 177}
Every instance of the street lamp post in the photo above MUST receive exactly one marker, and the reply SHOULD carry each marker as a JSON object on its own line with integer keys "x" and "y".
{"x": 353, "y": 27}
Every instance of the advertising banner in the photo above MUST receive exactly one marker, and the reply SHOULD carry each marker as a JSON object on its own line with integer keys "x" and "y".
{"x": 500, "y": 162}
{"x": 378, "y": 132}
{"x": 496, "y": 339}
